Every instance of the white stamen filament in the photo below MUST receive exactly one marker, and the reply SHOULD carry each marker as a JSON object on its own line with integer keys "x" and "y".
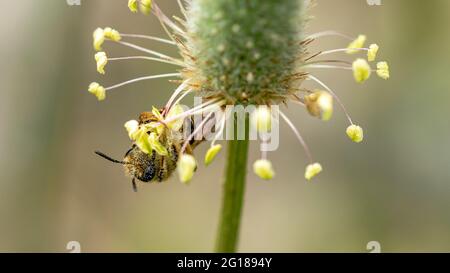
{"x": 168, "y": 22}
{"x": 182, "y": 8}
{"x": 327, "y": 61}
{"x": 164, "y": 20}
{"x": 148, "y": 37}
{"x": 174, "y": 95}
{"x": 298, "y": 135}
{"x": 341, "y": 50}
{"x": 152, "y": 52}
{"x": 328, "y": 33}
{"x": 143, "y": 79}
{"x": 333, "y": 67}
{"x": 264, "y": 152}
{"x": 220, "y": 131}
{"x": 334, "y": 95}
{"x": 328, "y": 66}
{"x": 204, "y": 107}
{"x": 182, "y": 96}
{"x": 199, "y": 127}
{"x": 144, "y": 58}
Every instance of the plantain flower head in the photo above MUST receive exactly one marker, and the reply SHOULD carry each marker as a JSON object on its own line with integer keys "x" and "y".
{"x": 226, "y": 61}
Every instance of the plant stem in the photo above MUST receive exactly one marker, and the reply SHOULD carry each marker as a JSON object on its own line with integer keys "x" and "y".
{"x": 233, "y": 194}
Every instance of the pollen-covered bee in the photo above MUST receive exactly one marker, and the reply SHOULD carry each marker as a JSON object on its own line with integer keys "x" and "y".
{"x": 156, "y": 165}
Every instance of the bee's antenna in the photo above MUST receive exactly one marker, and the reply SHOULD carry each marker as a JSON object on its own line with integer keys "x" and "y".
{"x": 133, "y": 183}
{"x": 109, "y": 158}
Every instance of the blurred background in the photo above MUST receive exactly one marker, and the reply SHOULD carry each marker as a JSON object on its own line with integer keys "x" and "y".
{"x": 393, "y": 188}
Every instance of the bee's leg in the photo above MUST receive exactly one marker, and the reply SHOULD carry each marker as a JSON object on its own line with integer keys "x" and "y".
{"x": 133, "y": 183}
{"x": 188, "y": 149}
{"x": 162, "y": 172}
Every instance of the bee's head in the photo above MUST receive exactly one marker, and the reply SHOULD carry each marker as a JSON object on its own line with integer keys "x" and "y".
{"x": 140, "y": 165}
{"x": 137, "y": 164}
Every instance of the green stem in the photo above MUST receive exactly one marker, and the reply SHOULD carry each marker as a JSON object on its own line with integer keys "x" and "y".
{"x": 233, "y": 195}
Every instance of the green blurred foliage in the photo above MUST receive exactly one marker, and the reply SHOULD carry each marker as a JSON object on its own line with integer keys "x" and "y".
{"x": 394, "y": 188}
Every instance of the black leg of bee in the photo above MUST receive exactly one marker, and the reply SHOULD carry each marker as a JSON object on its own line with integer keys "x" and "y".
{"x": 129, "y": 151}
{"x": 133, "y": 183}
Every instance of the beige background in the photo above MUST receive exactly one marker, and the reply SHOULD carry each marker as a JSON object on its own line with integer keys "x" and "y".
{"x": 394, "y": 188}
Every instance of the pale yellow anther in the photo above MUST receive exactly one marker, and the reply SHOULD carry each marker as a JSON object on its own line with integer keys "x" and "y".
{"x": 263, "y": 168}
{"x": 99, "y": 39}
{"x": 356, "y": 44}
{"x": 132, "y": 128}
{"x": 141, "y": 139}
{"x": 133, "y": 5}
{"x": 173, "y": 112}
{"x": 101, "y": 60}
{"x": 97, "y": 90}
{"x": 157, "y": 146}
{"x": 372, "y": 52}
{"x": 355, "y": 133}
{"x": 186, "y": 168}
{"x": 383, "y": 70}
{"x": 211, "y": 153}
{"x": 312, "y": 170}
{"x": 320, "y": 104}
{"x": 361, "y": 70}
{"x": 262, "y": 119}
{"x": 112, "y": 34}
{"x": 145, "y": 6}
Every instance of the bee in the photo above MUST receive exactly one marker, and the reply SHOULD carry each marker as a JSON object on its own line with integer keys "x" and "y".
{"x": 154, "y": 167}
